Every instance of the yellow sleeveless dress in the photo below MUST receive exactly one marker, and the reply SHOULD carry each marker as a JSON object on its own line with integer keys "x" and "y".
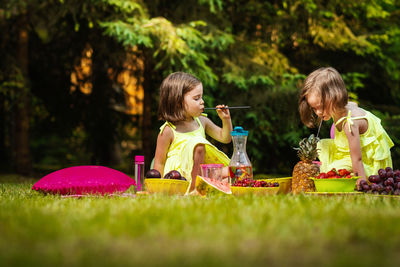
{"x": 375, "y": 147}
{"x": 180, "y": 153}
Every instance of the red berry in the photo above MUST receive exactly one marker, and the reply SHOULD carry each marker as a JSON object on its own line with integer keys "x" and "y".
{"x": 331, "y": 173}
{"x": 343, "y": 172}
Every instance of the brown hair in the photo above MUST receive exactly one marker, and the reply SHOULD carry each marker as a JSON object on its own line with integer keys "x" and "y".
{"x": 172, "y": 91}
{"x": 328, "y": 83}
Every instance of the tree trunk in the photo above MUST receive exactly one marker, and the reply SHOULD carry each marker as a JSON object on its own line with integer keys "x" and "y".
{"x": 148, "y": 88}
{"x": 102, "y": 122}
{"x": 23, "y": 163}
{"x": 3, "y": 127}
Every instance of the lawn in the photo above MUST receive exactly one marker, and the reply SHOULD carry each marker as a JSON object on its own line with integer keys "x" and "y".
{"x": 282, "y": 230}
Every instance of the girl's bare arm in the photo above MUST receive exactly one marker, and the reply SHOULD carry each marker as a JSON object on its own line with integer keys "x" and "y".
{"x": 223, "y": 134}
{"x": 353, "y": 137}
{"x": 164, "y": 140}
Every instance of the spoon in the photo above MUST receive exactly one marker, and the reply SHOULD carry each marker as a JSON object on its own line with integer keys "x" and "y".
{"x": 237, "y": 107}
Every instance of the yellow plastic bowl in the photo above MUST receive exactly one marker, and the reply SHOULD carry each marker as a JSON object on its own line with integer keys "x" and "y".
{"x": 239, "y": 190}
{"x": 166, "y": 186}
{"x": 285, "y": 184}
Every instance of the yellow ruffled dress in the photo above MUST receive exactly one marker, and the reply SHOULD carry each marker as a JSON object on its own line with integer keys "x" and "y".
{"x": 375, "y": 147}
{"x": 180, "y": 153}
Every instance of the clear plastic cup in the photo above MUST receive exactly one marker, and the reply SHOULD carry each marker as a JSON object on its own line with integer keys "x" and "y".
{"x": 212, "y": 171}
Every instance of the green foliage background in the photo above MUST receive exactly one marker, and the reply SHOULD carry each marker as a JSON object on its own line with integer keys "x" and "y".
{"x": 245, "y": 52}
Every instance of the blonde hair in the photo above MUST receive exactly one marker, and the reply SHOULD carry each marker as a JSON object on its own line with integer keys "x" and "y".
{"x": 172, "y": 91}
{"x": 330, "y": 86}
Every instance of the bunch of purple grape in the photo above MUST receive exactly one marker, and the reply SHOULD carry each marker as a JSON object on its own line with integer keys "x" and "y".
{"x": 386, "y": 182}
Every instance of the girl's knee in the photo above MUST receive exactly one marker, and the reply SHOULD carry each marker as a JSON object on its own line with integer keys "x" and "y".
{"x": 199, "y": 150}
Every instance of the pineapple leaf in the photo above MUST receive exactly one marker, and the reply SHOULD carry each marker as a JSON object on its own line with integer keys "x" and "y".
{"x": 307, "y": 150}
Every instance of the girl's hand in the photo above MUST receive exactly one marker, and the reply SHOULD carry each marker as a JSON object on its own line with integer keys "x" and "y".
{"x": 223, "y": 112}
{"x": 358, "y": 183}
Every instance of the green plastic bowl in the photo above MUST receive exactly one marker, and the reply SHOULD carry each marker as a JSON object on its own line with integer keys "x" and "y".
{"x": 335, "y": 184}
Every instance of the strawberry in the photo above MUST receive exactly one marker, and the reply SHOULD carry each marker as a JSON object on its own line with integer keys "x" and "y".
{"x": 323, "y": 175}
{"x": 343, "y": 172}
{"x": 348, "y": 176}
{"x": 331, "y": 174}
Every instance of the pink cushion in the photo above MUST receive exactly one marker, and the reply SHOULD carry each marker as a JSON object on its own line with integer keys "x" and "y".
{"x": 81, "y": 180}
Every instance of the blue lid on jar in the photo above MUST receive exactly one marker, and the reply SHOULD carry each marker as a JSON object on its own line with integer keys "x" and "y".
{"x": 239, "y": 131}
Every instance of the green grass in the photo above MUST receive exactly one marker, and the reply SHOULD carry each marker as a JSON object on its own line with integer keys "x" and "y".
{"x": 39, "y": 230}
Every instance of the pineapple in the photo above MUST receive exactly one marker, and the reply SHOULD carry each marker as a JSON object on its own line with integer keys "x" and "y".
{"x": 307, "y": 152}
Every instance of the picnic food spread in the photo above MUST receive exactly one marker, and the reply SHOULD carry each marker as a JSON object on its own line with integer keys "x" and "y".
{"x": 306, "y": 176}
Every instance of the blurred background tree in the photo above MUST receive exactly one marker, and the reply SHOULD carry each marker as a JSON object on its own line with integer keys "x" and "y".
{"x": 79, "y": 79}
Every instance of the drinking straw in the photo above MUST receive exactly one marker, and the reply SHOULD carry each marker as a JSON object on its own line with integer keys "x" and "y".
{"x": 319, "y": 128}
{"x": 237, "y": 107}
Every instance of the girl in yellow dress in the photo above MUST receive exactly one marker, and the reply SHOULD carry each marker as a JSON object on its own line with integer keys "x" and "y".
{"x": 360, "y": 145}
{"x": 182, "y": 143}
